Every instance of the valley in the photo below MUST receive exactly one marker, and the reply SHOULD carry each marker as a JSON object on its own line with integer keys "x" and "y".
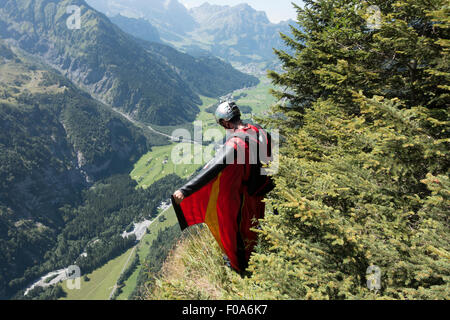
{"x": 87, "y": 151}
{"x": 238, "y": 34}
{"x": 107, "y": 107}
{"x": 149, "y": 169}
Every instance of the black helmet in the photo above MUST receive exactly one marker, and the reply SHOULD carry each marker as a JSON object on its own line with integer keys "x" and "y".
{"x": 227, "y": 111}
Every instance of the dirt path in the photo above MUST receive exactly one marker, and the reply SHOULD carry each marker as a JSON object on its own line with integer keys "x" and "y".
{"x": 123, "y": 269}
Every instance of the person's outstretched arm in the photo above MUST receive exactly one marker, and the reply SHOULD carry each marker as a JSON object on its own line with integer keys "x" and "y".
{"x": 211, "y": 170}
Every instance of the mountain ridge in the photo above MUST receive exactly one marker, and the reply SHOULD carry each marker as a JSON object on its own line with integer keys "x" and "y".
{"x": 104, "y": 60}
{"x": 234, "y": 33}
{"x": 138, "y": 27}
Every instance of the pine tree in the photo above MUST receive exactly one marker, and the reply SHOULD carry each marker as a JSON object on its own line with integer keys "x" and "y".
{"x": 363, "y": 177}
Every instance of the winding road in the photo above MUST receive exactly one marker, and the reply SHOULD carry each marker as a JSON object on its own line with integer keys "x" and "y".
{"x": 172, "y": 138}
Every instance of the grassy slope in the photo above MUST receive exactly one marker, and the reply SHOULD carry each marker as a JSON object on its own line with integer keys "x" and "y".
{"x": 23, "y": 79}
{"x": 195, "y": 270}
{"x": 259, "y": 97}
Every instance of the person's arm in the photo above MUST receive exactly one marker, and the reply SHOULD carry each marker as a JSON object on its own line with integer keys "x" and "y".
{"x": 211, "y": 171}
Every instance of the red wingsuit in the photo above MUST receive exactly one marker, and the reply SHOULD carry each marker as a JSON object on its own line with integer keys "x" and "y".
{"x": 219, "y": 197}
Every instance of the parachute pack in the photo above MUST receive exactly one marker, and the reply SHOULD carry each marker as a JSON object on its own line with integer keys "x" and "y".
{"x": 260, "y": 145}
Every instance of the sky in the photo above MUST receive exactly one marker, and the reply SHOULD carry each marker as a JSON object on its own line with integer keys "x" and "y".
{"x": 276, "y": 10}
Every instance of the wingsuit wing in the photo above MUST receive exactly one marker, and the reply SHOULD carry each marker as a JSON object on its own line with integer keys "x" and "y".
{"x": 219, "y": 196}
{"x": 214, "y": 197}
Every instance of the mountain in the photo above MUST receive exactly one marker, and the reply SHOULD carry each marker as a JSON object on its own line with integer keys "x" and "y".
{"x": 238, "y": 33}
{"x": 205, "y": 74}
{"x": 140, "y": 28}
{"x": 51, "y": 128}
{"x": 235, "y": 33}
{"x": 226, "y": 22}
{"x": 104, "y": 60}
{"x": 100, "y": 58}
{"x": 170, "y": 16}
{"x": 55, "y": 141}
{"x": 65, "y": 154}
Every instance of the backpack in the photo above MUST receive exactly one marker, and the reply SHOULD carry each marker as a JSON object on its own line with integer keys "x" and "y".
{"x": 259, "y": 184}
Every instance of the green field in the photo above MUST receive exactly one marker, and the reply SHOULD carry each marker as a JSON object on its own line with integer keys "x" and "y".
{"x": 143, "y": 248}
{"x": 103, "y": 279}
{"x": 258, "y": 98}
{"x": 159, "y": 163}
{"x": 204, "y": 116}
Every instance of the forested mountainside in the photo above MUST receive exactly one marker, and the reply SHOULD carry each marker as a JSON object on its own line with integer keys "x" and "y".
{"x": 363, "y": 191}
{"x": 139, "y": 28}
{"x": 51, "y": 128}
{"x": 63, "y": 147}
{"x": 55, "y": 140}
{"x": 106, "y": 61}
